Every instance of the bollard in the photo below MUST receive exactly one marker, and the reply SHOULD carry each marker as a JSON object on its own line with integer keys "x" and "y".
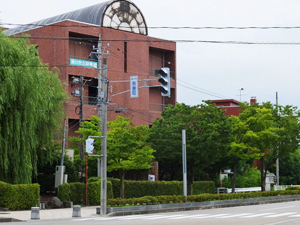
{"x": 76, "y": 211}
{"x": 35, "y": 213}
{"x": 98, "y": 210}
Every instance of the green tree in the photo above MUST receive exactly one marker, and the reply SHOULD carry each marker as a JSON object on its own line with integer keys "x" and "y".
{"x": 261, "y": 133}
{"x": 287, "y": 122}
{"x": 127, "y": 148}
{"x": 241, "y": 148}
{"x": 31, "y": 109}
{"x": 289, "y": 166}
{"x": 88, "y": 128}
{"x": 274, "y": 132}
{"x": 208, "y": 135}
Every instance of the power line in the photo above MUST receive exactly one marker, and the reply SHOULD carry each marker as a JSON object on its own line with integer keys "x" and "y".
{"x": 165, "y": 27}
{"x": 161, "y": 40}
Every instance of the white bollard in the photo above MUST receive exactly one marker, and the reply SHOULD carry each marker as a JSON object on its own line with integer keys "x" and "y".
{"x": 35, "y": 213}
{"x": 76, "y": 211}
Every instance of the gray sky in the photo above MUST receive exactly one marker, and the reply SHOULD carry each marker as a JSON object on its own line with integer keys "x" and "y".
{"x": 218, "y": 69}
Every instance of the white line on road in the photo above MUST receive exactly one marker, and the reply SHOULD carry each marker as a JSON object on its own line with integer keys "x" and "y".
{"x": 236, "y": 215}
{"x": 209, "y": 216}
{"x": 190, "y": 216}
{"x": 257, "y": 215}
{"x": 133, "y": 217}
{"x": 83, "y": 219}
{"x": 162, "y": 217}
{"x": 298, "y": 215}
{"x": 104, "y": 218}
{"x": 278, "y": 208}
{"x": 281, "y": 214}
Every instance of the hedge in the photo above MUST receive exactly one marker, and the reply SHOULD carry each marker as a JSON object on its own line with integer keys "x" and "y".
{"x": 137, "y": 189}
{"x": 75, "y": 192}
{"x": 19, "y": 196}
{"x": 196, "y": 198}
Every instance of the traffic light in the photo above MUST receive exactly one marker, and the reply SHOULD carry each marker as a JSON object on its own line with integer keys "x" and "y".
{"x": 165, "y": 81}
{"x": 89, "y": 145}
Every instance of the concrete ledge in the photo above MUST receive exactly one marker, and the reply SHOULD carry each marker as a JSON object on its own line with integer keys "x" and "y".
{"x": 122, "y": 211}
{"x": 3, "y": 220}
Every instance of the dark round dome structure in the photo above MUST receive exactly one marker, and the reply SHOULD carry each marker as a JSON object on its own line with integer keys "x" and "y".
{"x": 116, "y": 14}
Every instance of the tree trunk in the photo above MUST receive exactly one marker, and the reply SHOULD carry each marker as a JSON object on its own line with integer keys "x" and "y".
{"x": 122, "y": 175}
{"x": 190, "y": 180}
{"x": 262, "y": 177}
{"x": 233, "y": 182}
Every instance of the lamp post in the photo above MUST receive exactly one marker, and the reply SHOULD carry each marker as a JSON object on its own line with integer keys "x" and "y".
{"x": 241, "y": 93}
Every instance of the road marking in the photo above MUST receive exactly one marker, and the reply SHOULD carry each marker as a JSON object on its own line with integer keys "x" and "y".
{"x": 209, "y": 216}
{"x": 190, "y": 216}
{"x": 82, "y": 219}
{"x": 298, "y": 215}
{"x": 136, "y": 217}
{"x": 162, "y": 217}
{"x": 281, "y": 214}
{"x": 236, "y": 215}
{"x": 278, "y": 208}
{"x": 105, "y": 218}
{"x": 257, "y": 215}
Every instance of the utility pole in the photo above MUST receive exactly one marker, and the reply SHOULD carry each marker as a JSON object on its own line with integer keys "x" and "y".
{"x": 104, "y": 144}
{"x": 81, "y": 147}
{"x": 63, "y": 144}
{"x": 99, "y": 55}
{"x": 184, "y": 163}
{"x": 277, "y": 160}
{"x": 102, "y": 114}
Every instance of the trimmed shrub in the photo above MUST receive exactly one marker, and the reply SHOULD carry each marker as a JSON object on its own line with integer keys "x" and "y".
{"x": 138, "y": 189}
{"x": 293, "y": 188}
{"x": 19, "y": 196}
{"x": 196, "y": 198}
{"x": 3, "y": 189}
{"x": 76, "y": 192}
{"x": 64, "y": 192}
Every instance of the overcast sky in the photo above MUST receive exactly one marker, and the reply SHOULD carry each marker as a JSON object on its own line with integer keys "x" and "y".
{"x": 216, "y": 71}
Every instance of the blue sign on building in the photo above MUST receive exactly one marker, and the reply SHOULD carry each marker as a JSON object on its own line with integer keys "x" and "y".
{"x": 134, "y": 87}
{"x": 84, "y": 63}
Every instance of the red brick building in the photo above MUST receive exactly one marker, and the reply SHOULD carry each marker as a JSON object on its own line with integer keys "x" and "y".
{"x": 232, "y": 109}
{"x": 231, "y": 106}
{"x": 71, "y": 36}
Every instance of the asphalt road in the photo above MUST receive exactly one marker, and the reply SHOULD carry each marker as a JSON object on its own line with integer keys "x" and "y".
{"x": 269, "y": 214}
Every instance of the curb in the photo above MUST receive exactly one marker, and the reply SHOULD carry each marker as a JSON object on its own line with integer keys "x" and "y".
{"x": 135, "y": 210}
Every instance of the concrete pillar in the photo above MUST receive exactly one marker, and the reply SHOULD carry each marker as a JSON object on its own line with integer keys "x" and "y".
{"x": 35, "y": 213}
{"x": 76, "y": 211}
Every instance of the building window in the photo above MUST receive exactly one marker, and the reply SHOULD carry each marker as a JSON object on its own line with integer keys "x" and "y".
{"x": 125, "y": 57}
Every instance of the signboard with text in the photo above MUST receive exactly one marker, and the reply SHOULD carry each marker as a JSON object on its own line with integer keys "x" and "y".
{"x": 134, "y": 87}
{"x": 84, "y": 63}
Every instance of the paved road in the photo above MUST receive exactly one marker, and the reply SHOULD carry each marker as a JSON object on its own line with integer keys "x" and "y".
{"x": 269, "y": 214}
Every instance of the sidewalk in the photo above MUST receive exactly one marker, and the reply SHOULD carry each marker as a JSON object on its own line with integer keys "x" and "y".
{"x": 46, "y": 214}
{"x": 147, "y": 209}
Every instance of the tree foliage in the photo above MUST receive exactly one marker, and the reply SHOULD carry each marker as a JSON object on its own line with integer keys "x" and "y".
{"x": 266, "y": 132}
{"x": 127, "y": 148}
{"x": 289, "y": 167}
{"x": 207, "y": 137}
{"x": 31, "y": 109}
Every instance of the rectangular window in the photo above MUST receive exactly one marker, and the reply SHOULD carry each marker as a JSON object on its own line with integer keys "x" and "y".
{"x": 125, "y": 57}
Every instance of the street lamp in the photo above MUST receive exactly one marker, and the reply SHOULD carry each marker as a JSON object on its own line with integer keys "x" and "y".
{"x": 241, "y": 93}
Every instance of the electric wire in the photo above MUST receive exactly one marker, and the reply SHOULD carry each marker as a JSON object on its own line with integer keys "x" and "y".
{"x": 165, "y": 27}
{"x": 161, "y": 40}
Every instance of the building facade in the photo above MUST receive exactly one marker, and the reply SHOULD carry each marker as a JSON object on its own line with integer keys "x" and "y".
{"x": 66, "y": 42}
